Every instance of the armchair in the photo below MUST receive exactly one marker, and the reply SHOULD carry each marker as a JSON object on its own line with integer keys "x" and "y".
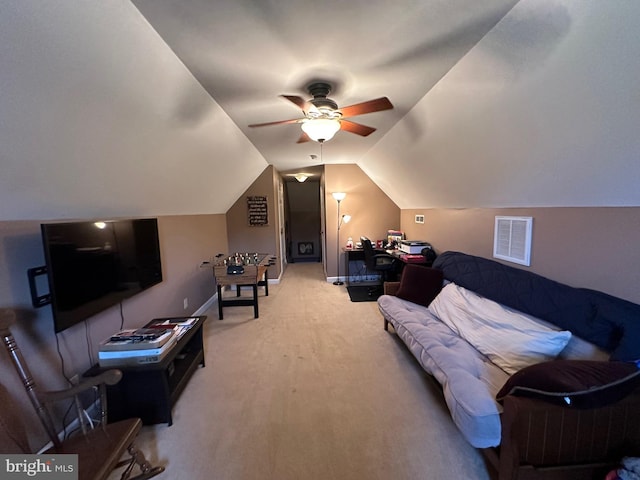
{"x": 378, "y": 261}
{"x": 100, "y": 449}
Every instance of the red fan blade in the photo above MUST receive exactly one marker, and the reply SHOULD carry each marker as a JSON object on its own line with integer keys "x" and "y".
{"x": 300, "y": 102}
{"x": 303, "y": 138}
{"x": 281, "y": 122}
{"x": 371, "y": 106}
{"x": 356, "y": 128}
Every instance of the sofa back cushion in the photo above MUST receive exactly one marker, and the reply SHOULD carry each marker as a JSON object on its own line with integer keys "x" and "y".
{"x": 623, "y": 318}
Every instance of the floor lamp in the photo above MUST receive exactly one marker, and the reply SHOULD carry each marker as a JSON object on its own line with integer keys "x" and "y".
{"x": 339, "y": 196}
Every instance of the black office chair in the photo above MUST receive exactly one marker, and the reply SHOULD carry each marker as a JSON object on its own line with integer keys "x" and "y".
{"x": 378, "y": 261}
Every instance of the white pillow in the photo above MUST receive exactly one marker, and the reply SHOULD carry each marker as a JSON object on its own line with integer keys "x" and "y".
{"x": 508, "y": 338}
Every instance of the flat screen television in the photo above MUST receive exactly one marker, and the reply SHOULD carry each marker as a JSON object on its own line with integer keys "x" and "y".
{"x": 92, "y": 266}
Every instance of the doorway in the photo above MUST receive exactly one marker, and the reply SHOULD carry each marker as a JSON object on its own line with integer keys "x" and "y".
{"x": 303, "y": 228}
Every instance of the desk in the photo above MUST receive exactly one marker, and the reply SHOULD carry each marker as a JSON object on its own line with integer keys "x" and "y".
{"x": 357, "y": 254}
{"x": 255, "y": 274}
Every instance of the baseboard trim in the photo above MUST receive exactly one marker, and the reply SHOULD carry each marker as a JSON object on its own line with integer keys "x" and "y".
{"x": 207, "y": 305}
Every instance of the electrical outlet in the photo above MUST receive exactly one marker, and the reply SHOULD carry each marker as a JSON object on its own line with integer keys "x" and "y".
{"x": 186, "y": 303}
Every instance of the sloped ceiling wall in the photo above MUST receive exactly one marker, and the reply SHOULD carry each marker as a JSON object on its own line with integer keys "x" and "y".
{"x": 544, "y": 111}
{"x": 99, "y": 118}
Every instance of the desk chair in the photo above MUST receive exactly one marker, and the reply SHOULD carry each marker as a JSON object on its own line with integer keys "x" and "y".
{"x": 378, "y": 261}
{"x": 429, "y": 255}
{"x": 99, "y": 449}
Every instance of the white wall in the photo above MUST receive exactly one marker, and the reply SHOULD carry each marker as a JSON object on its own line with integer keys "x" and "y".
{"x": 99, "y": 118}
{"x": 544, "y": 111}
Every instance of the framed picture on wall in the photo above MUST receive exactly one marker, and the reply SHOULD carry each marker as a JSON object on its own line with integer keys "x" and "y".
{"x": 257, "y": 210}
{"x": 305, "y": 248}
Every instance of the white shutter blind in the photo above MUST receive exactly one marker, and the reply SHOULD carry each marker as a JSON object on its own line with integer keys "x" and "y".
{"x": 512, "y": 239}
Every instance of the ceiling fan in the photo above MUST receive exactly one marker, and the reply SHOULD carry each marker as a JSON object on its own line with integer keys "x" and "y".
{"x": 322, "y": 117}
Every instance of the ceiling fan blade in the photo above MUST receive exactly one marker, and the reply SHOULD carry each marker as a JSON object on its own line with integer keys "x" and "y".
{"x": 303, "y": 138}
{"x": 280, "y": 122}
{"x": 300, "y": 102}
{"x": 371, "y": 106}
{"x": 356, "y": 128}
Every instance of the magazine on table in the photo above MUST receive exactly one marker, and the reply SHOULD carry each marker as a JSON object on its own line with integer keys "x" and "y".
{"x": 180, "y": 324}
{"x": 138, "y": 339}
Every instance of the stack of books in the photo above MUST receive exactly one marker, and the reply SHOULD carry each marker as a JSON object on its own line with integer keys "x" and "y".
{"x": 180, "y": 325}
{"x": 137, "y": 347}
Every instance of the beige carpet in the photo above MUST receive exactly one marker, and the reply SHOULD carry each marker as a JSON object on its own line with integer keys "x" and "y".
{"x": 314, "y": 389}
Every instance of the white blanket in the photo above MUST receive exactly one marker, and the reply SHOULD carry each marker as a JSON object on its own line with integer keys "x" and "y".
{"x": 510, "y": 339}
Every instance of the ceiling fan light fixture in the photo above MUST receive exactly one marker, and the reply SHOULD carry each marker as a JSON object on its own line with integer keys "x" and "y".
{"x": 320, "y": 129}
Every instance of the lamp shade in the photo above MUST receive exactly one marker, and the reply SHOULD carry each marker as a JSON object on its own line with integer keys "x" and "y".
{"x": 339, "y": 196}
{"x": 320, "y": 129}
{"x": 344, "y": 219}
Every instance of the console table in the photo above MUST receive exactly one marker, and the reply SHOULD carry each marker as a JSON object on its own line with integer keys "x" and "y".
{"x": 150, "y": 391}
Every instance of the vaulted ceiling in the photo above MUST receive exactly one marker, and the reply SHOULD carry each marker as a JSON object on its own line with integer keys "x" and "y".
{"x": 142, "y": 107}
{"x": 246, "y": 53}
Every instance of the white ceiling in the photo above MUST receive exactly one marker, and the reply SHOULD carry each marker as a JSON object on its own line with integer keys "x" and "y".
{"x": 246, "y": 53}
{"x": 133, "y": 108}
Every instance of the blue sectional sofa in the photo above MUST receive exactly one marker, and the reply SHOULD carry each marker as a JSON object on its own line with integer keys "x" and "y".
{"x": 536, "y": 373}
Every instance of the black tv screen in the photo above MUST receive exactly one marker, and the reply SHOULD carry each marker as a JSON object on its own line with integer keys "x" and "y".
{"x": 92, "y": 266}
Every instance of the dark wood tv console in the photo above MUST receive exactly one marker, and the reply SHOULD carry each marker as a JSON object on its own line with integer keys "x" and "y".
{"x": 150, "y": 391}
